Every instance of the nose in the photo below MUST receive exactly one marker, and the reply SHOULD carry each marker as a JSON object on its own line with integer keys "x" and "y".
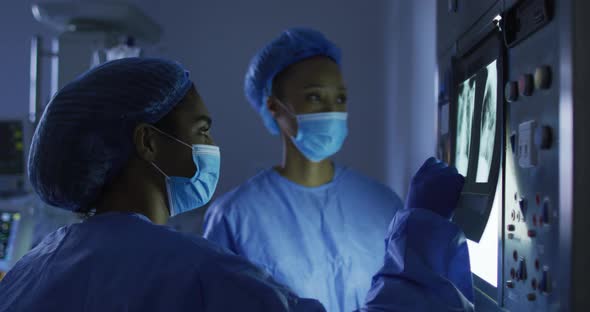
{"x": 335, "y": 106}
{"x": 210, "y": 140}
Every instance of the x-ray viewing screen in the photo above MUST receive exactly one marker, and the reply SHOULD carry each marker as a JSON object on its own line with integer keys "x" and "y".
{"x": 484, "y": 255}
{"x": 466, "y": 106}
{"x": 488, "y": 124}
{"x": 478, "y": 95}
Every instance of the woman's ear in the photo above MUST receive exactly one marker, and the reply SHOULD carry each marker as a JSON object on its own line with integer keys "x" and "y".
{"x": 285, "y": 120}
{"x": 144, "y": 141}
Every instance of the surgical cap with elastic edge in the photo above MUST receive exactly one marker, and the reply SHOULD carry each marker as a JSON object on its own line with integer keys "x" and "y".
{"x": 85, "y": 136}
{"x": 292, "y": 46}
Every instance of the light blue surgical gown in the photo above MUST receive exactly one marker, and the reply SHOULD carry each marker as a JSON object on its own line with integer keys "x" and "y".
{"x": 323, "y": 242}
{"x": 124, "y": 262}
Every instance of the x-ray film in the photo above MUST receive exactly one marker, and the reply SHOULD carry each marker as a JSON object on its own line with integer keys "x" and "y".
{"x": 466, "y": 106}
{"x": 488, "y": 124}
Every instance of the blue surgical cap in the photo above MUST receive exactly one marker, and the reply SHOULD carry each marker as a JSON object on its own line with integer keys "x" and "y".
{"x": 292, "y": 46}
{"x": 85, "y": 136}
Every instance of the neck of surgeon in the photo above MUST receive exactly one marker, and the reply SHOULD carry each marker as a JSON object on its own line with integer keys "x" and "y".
{"x": 297, "y": 168}
{"x": 129, "y": 194}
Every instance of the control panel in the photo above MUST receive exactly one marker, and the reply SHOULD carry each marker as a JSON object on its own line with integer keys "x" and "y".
{"x": 532, "y": 172}
{"x": 542, "y": 227}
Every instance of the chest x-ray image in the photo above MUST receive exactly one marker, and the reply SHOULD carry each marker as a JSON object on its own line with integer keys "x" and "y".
{"x": 464, "y": 122}
{"x": 488, "y": 124}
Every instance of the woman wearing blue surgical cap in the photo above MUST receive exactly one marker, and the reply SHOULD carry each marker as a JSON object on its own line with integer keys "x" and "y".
{"x": 130, "y": 142}
{"x": 314, "y": 225}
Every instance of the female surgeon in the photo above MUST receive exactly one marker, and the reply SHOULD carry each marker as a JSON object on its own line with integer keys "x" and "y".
{"x": 129, "y": 144}
{"x": 314, "y": 225}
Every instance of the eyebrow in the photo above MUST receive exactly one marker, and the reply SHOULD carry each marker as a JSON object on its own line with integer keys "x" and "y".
{"x": 204, "y": 118}
{"x": 319, "y": 86}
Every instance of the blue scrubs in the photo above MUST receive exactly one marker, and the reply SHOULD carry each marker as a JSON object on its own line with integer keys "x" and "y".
{"x": 124, "y": 262}
{"x": 323, "y": 242}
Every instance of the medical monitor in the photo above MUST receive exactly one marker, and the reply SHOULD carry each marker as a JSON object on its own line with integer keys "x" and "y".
{"x": 9, "y": 226}
{"x": 15, "y": 136}
{"x": 12, "y": 151}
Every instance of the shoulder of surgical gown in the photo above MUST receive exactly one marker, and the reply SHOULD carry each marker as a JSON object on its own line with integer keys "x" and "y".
{"x": 426, "y": 267}
{"x": 204, "y": 275}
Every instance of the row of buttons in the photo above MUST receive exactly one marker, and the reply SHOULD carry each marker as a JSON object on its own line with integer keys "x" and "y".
{"x": 544, "y": 286}
{"x": 543, "y": 218}
{"x": 527, "y": 83}
{"x": 519, "y": 273}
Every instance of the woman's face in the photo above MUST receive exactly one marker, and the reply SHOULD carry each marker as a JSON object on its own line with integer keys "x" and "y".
{"x": 314, "y": 85}
{"x": 188, "y": 122}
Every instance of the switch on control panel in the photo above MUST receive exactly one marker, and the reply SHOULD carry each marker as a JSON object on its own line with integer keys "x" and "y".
{"x": 545, "y": 284}
{"x": 523, "y": 204}
{"x": 521, "y": 273}
{"x": 546, "y": 216}
{"x": 544, "y": 137}
{"x": 527, "y": 151}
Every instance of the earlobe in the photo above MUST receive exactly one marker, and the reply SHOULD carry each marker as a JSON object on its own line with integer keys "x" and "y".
{"x": 271, "y": 105}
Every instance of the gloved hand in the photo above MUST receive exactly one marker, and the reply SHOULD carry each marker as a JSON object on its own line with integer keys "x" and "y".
{"x": 435, "y": 187}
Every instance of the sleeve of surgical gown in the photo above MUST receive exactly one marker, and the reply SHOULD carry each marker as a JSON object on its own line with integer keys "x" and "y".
{"x": 426, "y": 267}
{"x": 231, "y": 283}
{"x": 216, "y": 227}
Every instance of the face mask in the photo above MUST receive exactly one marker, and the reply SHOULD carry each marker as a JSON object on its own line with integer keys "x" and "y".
{"x": 320, "y": 135}
{"x": 185, "y": 194}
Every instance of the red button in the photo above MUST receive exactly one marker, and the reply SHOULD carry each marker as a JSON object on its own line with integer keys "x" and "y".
{"x": 532, "y": 233}
{"x": 531, "y": 297}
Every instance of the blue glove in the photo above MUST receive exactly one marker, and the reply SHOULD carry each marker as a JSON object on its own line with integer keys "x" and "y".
{"x": 435, "y": 187}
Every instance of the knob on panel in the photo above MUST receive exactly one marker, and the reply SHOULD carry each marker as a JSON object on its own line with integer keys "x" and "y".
{"x": 543, "y": 77}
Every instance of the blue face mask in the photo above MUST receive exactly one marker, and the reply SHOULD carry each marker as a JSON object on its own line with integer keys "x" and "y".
{"x": 320, "y": 135}
{"x": 185, "y": 194}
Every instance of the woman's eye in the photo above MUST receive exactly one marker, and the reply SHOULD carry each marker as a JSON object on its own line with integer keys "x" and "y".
{"x": 205, "y": 130}
{"x": 313, "y": 97}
